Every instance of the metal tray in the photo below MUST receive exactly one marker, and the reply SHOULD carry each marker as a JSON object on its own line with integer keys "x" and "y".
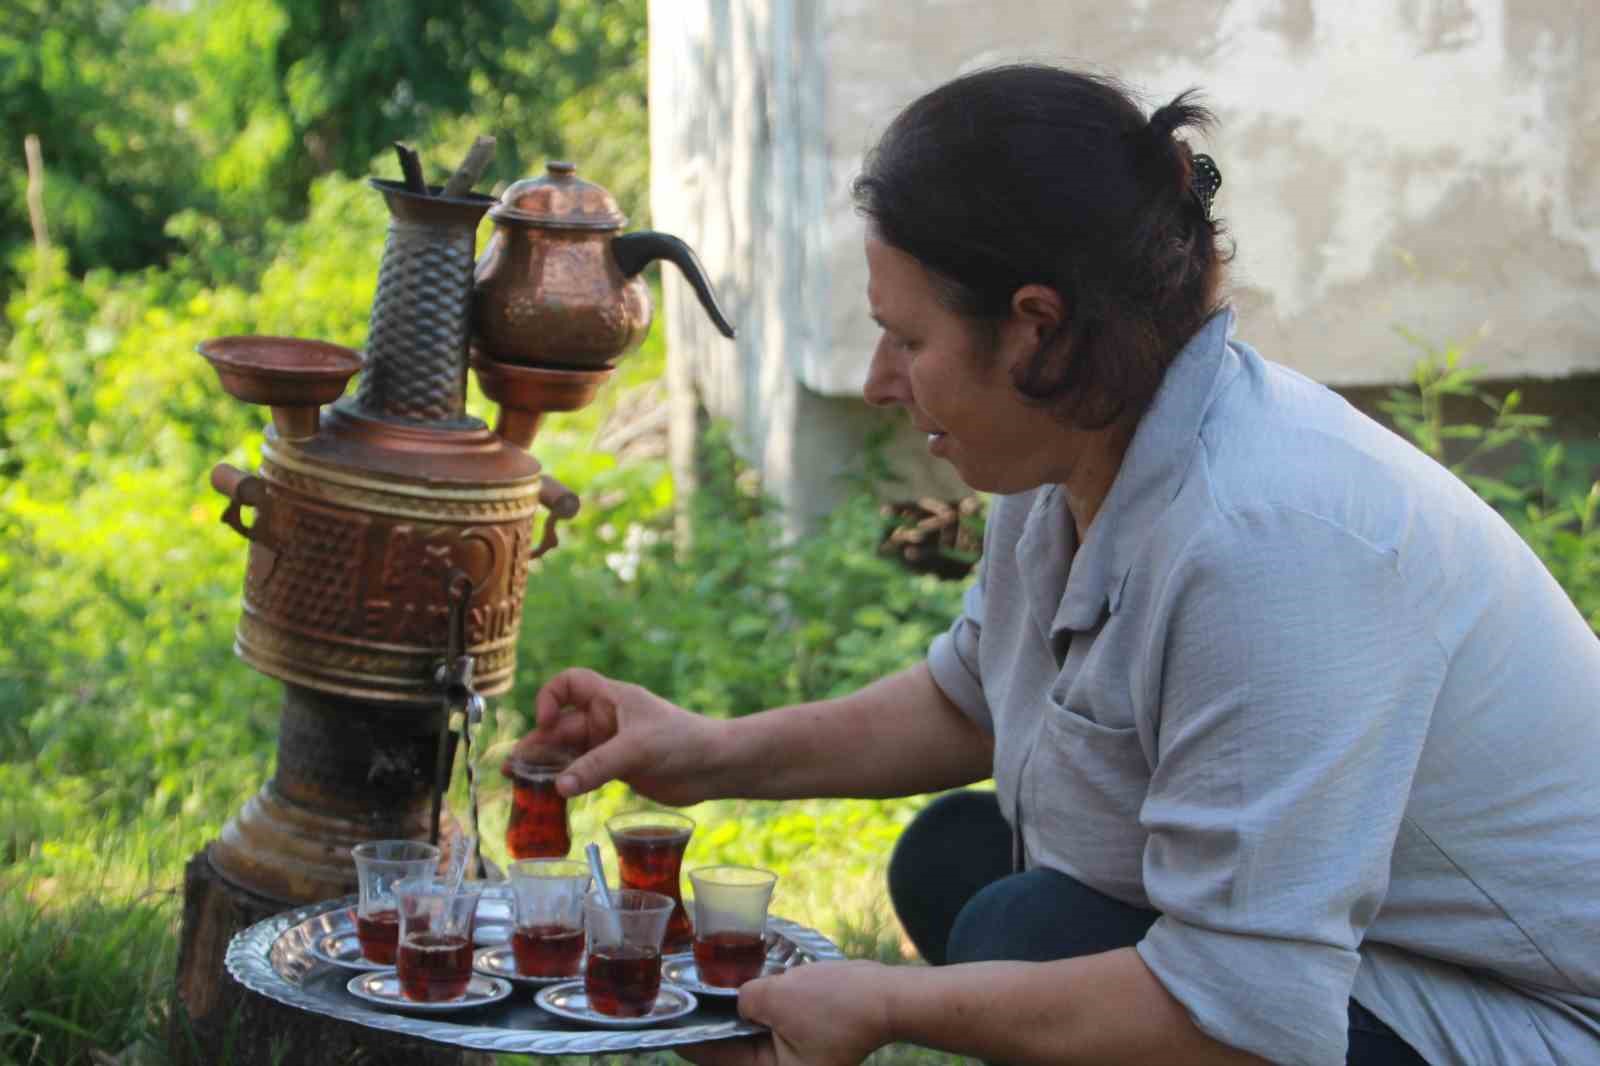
{"x": 273, "y": 957}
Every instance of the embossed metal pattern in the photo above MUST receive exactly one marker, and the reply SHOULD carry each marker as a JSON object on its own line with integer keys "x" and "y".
{"x": 312, "y": 580}
{"x": 273, "y": 958}
{"x": 350, "y": 600}
{"x": 417, "y": 338}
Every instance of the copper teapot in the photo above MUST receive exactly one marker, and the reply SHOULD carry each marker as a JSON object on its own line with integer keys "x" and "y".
{"x": 558, "y": 285}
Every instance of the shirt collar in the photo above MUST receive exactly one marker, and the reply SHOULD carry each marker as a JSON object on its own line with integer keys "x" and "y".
{"x": 1150, "y": 476}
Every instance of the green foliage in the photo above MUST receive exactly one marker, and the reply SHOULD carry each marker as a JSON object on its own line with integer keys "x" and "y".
{"x": 1547, "y": 493}
{"x": 736, "y": 619}
{"x": 96, "y": 81}
{"x": 159, "y": 122}
{"x": 120, "y": 588}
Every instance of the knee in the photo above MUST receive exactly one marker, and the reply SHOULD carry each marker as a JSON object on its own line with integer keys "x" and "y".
{"x": 1042, "y": 915}
{"x": 957, "y": 828}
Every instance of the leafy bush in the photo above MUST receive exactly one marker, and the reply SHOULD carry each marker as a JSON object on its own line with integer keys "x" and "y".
{"x": 1549, "y": 495}
{"x": 157, "y": 120}
{"x": 736, "y": 619}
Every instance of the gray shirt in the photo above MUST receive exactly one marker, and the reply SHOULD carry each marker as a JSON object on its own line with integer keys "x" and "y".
{"x": 1304, "y": 694}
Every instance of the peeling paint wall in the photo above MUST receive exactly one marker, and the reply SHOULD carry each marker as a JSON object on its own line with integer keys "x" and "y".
{"x": 1426, "y": 164}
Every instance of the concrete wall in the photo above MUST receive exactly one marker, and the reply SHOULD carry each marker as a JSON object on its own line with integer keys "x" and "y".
{"x": 1432, "y": 164}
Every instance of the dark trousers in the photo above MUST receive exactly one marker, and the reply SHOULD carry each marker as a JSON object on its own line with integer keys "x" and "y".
{"x": 954, "y": 891}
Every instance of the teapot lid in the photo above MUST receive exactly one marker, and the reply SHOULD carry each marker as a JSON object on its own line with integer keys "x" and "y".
{"x": 559, "y": 200}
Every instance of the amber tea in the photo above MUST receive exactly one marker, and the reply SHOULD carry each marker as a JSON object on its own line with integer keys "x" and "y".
{"x": 380, "y": 865}
{"x": 379, "y": 934}
{"x": 730, "y": 922}
{"x": 538, "y": 827}
{"x": 547, "y": 950}
{"x": 433, "y": 967}
{"x": 434, "y": 962}
{"x": 650, "y": 847}
{"x": 728, "y": 960}
{"x": 623, "y": 973}
{"x": 623, "y": 980}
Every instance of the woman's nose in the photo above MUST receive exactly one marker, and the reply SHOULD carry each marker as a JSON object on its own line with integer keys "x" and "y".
{"x": 885, "y": 383}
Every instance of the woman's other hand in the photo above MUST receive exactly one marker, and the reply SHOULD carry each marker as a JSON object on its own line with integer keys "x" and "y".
{"x": 626, "y": 733}
{"x": 820, "y": 1014}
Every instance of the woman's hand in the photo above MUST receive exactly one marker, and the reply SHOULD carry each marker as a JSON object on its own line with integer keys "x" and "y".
{"x": 626, "y": 732}
{"x": 820, "y": 1014}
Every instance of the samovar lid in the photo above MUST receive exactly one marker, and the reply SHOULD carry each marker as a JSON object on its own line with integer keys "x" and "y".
{"x": 559, "y": 200}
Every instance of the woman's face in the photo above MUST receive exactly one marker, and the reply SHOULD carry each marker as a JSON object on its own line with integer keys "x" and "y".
{"x": 955, "y": 382}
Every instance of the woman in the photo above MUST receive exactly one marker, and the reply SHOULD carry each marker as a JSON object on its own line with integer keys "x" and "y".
{"x": 1293, "y": 739}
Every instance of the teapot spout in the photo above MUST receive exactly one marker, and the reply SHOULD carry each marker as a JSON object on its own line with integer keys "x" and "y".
{"x": 635, "y": 251}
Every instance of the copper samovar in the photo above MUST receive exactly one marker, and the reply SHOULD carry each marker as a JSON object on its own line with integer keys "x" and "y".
{"x": 390, "y": 531}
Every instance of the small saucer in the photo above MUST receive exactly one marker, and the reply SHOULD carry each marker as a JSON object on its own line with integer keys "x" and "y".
{"x": 343, "y": 948}
{"x": 681, "y": 970}
{"x": 569, "y": 1001}
{"x": 383, "y": 988}
{"x": 501, "y": 961}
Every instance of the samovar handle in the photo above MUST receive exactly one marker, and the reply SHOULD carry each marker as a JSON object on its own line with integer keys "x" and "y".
{"x": 242, "y": 490}
{"x": 562, "y": 503}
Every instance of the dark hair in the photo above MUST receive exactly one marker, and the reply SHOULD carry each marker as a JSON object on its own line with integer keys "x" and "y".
{"x": 1032, "y": 174}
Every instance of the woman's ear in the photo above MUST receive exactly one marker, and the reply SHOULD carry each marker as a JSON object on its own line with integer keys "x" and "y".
{"x": 1037, "y": 313}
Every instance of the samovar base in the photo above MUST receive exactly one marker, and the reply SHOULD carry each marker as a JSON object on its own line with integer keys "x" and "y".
{"x": 347, "y": 771}
{"x": 278, "y": 850}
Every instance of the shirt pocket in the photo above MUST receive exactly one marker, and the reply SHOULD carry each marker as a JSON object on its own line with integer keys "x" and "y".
{"x": 1086, "y": 785}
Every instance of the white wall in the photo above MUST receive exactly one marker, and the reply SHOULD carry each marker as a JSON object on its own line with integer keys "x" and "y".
{"x": 1432, "y": 164}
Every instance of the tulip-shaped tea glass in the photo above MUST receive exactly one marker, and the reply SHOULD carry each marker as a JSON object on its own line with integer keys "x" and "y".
{"x": 379, "y": 864}
{"x": 650, "y": 846}
{"x": 538, "y": 826}
{"x": 548, "y": 895}
{"x": 623, "y": 973}
{"x": 730, "y": 922}
{"x": 435, "y": 957}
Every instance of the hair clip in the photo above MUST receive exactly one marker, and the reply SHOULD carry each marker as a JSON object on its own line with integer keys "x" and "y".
{"x": 1204, "y": 181}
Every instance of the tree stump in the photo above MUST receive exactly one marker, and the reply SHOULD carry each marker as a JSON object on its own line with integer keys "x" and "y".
{"x": 218, "y": 1022}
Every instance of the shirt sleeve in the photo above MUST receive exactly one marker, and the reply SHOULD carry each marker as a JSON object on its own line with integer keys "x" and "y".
{"x": 1295, "y": 687}
{"x": 953, "y": 656}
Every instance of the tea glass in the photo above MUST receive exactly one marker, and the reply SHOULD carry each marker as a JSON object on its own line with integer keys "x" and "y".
{"x": 434, "y": 962}
{"x": 538, "y": 827}
{"x": 650, "y": 846}
{"x": 548, "y": 896}
{"x": 379, "y": 864}
{"x": 623, "y": 973}
{"x": 730, "y": 922}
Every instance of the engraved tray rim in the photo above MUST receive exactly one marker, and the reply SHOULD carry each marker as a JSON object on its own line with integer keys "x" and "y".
{"x": 272, "y": 957}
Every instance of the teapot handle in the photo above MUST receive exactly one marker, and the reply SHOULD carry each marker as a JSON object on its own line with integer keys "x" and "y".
{"x": 635, "y": 251}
